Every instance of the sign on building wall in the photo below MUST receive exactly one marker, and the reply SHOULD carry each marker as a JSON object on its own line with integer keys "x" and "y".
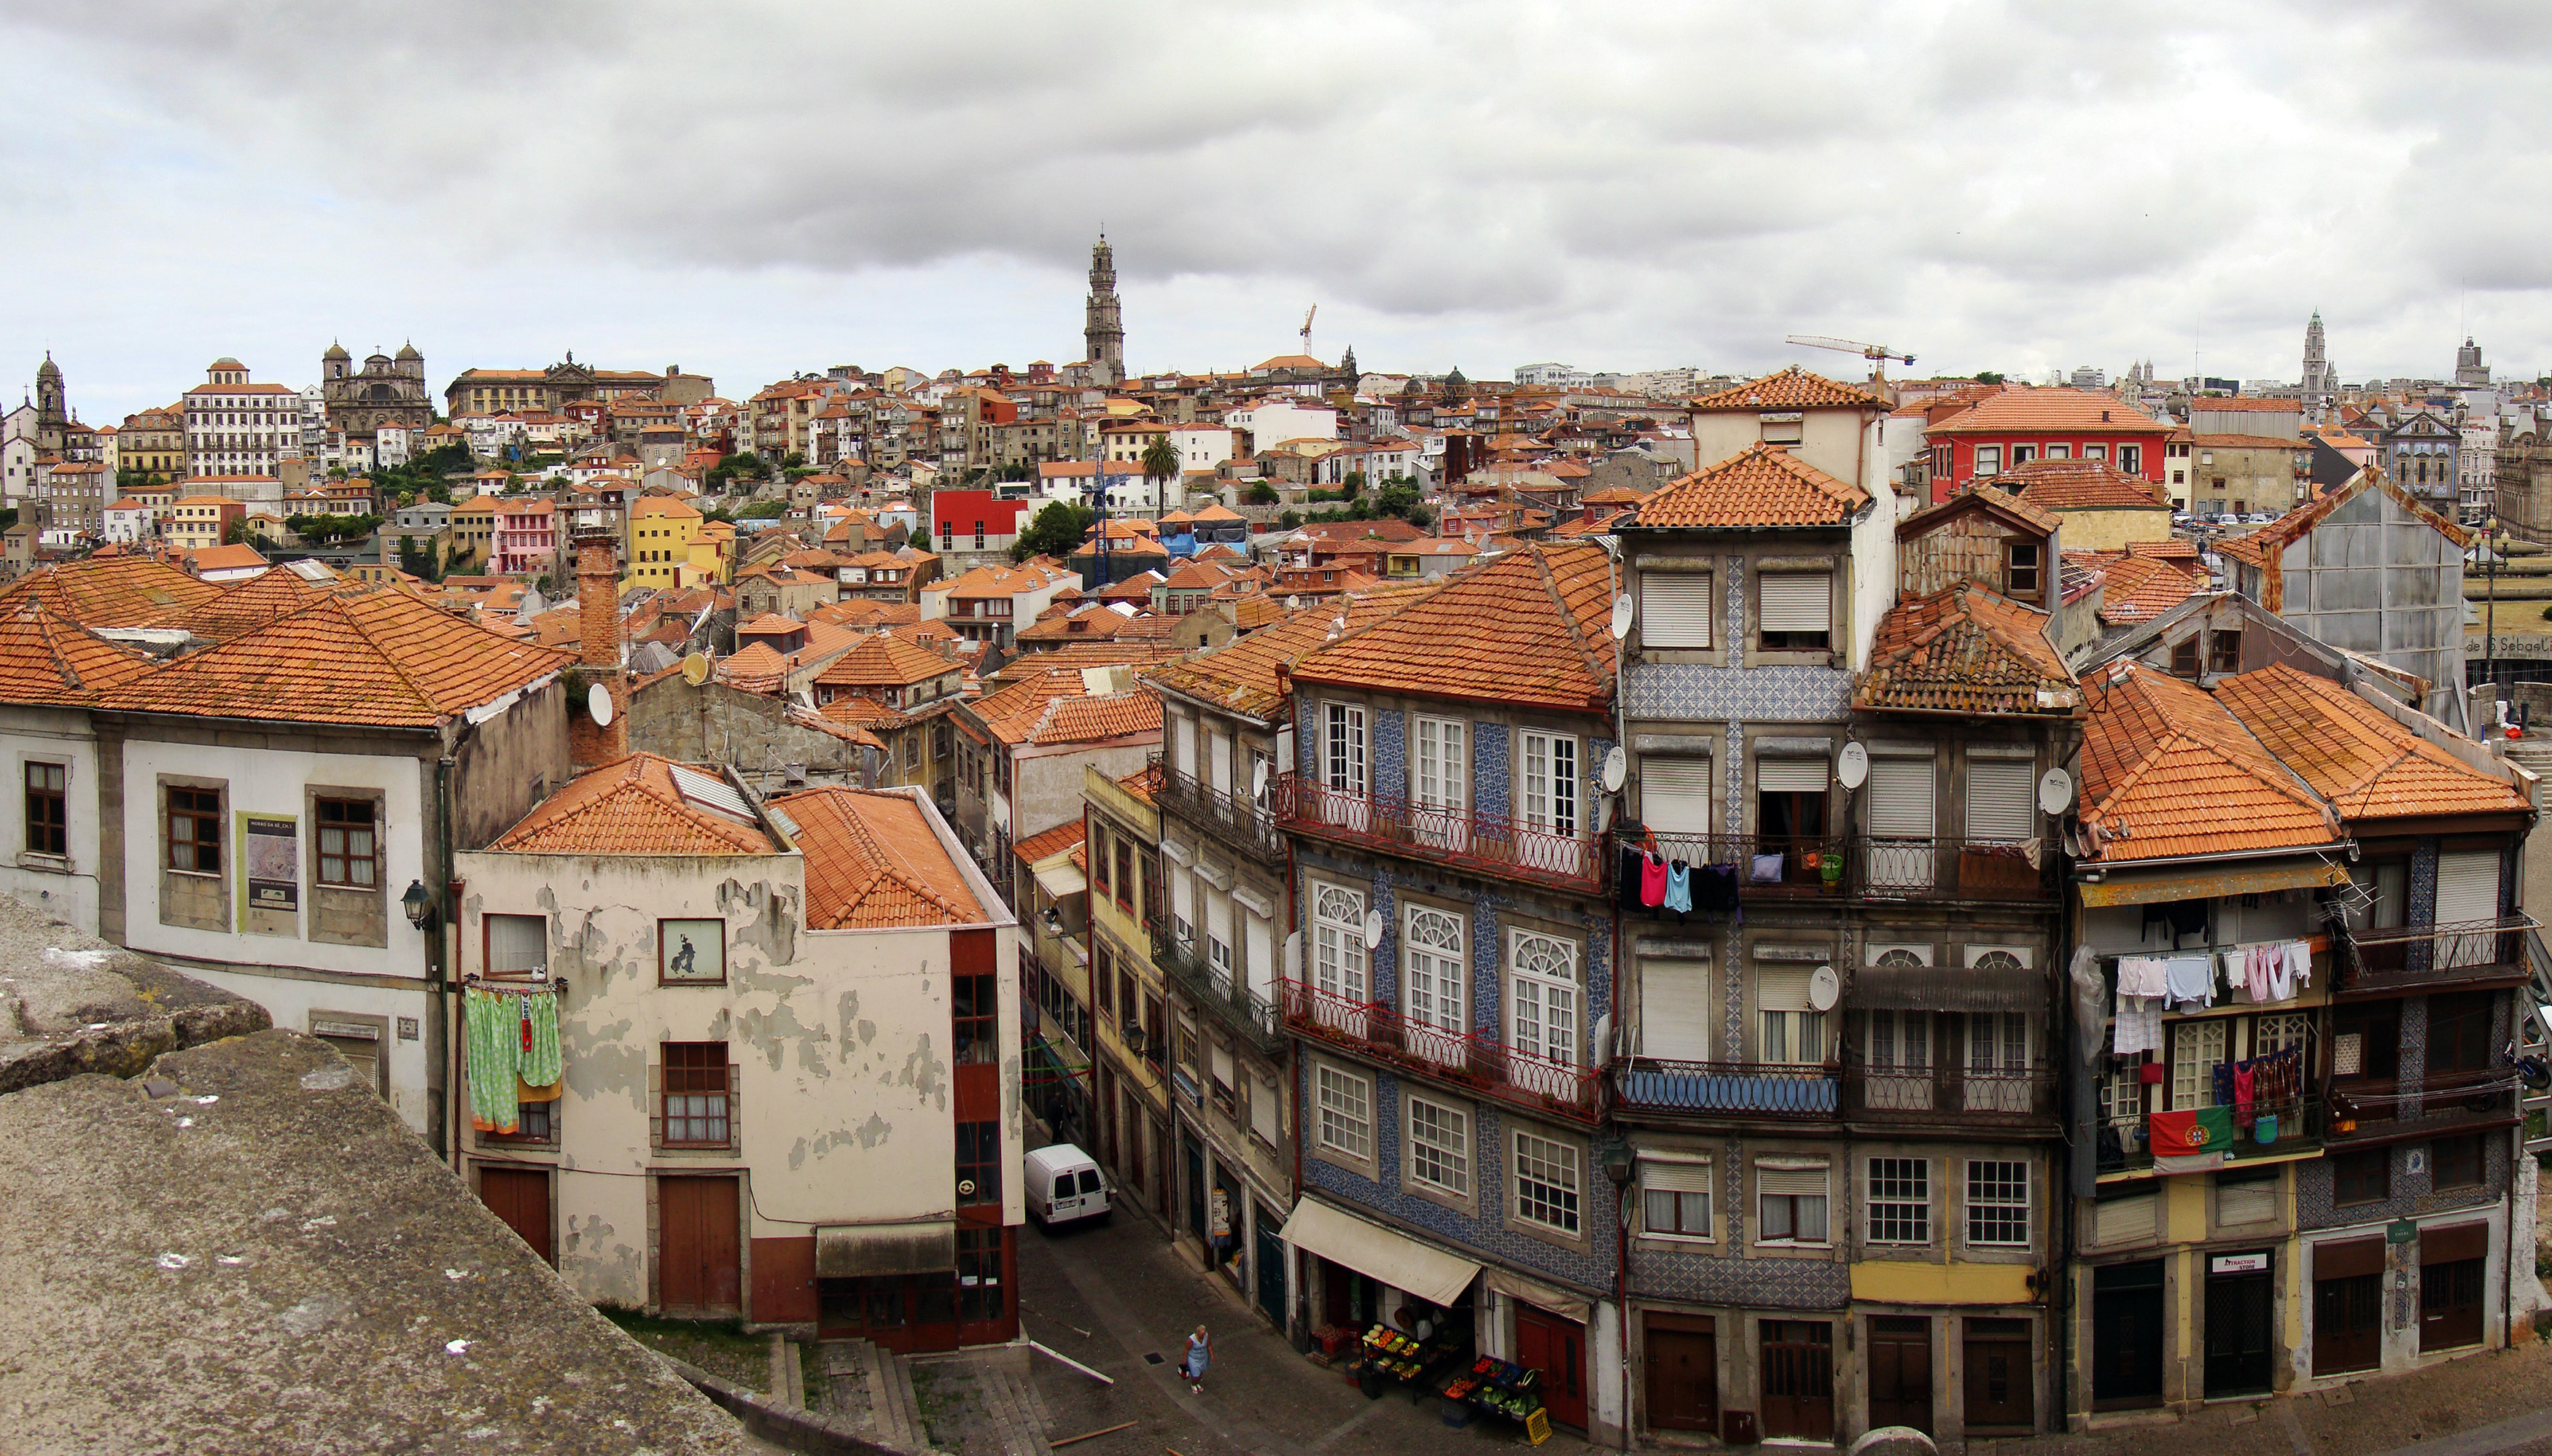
{"x": 272, "y": 857}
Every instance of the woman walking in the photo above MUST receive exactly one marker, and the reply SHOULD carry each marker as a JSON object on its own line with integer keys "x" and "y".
{"x": 1198, "y": 1355}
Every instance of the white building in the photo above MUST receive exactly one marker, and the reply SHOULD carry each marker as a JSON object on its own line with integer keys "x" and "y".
{"x": 235, "y": 427}
{"x": 1554, "y": 376}
{"x": 1270, "y": 422}
{"x": 129, "y": 523}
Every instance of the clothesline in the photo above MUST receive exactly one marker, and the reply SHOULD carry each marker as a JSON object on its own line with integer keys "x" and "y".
{"x": 2319, "y": 944}
{"x": 521, "y": 988}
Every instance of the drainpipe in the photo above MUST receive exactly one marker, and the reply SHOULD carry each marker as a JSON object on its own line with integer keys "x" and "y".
{"x": 443, "y": 988}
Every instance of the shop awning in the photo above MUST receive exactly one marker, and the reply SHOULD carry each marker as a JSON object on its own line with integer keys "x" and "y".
{"x": 1946, "y": 988}
{"x": 2212, "y": 885}
{"x": 1061, "y": 880}
{"x": 1379, "y": 1253}
{"x": 866, "y": 1250}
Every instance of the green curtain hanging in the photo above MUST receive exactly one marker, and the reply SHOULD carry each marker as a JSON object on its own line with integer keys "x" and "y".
{"x": 540, "y": 1063}
{"x": 494, "y": 1031}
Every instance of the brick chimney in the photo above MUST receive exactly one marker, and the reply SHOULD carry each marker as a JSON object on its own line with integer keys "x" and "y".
{"x": 597, "y": 604}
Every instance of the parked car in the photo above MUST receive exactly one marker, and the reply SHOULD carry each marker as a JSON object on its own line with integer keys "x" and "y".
{"x": 1063, "y": 1185}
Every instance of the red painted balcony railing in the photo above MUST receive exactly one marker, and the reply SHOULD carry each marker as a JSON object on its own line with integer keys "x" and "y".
{"x": 1489, "y": 1067}
{"x": 1464, "y": 838}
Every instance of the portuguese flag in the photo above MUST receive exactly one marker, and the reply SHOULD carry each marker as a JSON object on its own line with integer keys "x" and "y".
{"x": 2198, "y": 1130}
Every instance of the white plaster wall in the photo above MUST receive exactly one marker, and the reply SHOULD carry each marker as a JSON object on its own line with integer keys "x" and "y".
{"x": 270, "y": 783}
{"x": 1873, "y": 571}
{"x": 52, "y": 736}
{"x": 293, "y": 1003}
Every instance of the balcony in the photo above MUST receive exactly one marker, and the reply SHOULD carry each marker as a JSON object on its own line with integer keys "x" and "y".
{"x": 2124, "y": 1144}
{"x": 1464, "y": 839}
{"x": 1488, "y": 1067}
{"x": 1234, "y": 821}
{"x": 1750, "y": 1090}
{"x": 1240, "y": 1010}
{"x": 1954, "y": 870}
{"x": 1775, "y": 867}
{"x": 2412, "y": 958}
{"x": 1949, "y": 1096}
{"x": 2366, "y": 1111}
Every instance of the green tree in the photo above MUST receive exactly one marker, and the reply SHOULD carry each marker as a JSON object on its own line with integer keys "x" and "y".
{"x": 1290, "y": 519}
{"x": 1057, "y": 531}
{"x": 1354, "y": 483}
{"x": 1160, "y": 467}
{"x": 1987, "y": 377}
{"x": 1263, "y": 494}
{"x": 1418, "y": 516}
{"x": 763, "y": 510}
{"x": 234, "y": 534}
{"x": 795, "y": 459}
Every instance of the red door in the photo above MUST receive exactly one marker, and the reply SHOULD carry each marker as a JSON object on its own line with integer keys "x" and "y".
{"x": 521, "y": 1198}
{"x": 1558, "y": 1348}
{"x": 698, "y": 1269}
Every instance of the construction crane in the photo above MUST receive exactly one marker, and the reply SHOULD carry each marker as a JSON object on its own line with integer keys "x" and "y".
{"x": 1876, "y": 353}
{"x": 1306, "y": 328}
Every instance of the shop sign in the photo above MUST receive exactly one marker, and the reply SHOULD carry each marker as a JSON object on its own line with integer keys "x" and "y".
{"x": 2401, "y": 1231}
{"x": 2238, "y": 1264}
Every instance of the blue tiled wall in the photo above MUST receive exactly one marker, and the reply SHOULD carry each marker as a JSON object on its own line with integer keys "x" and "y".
{"x": 1390, "y": 754}
{"x": 1492, "y": 769}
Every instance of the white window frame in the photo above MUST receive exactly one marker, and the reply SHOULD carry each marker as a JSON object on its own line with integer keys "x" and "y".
{"x": 1435, "y": 968}
{"x": 1439, "y": 764}
{"x": 1680, "y": 1179}
{"x": 1568, "y": 1198}
{"x": 1448, "y": 1147}
{"x": 1825, "y": 1175}
{"x": 1547, "y": 771}
{"x": 2197, "y": 1048}
{"x": 1904, "y": 1215}
{"x": 1346, "y": 1111}
{"x": 1340, "y": 966}
{"x": 1345, "y": 748}
{"x": 1546, "y": 1008}
{"x": 2000, "y": 1181}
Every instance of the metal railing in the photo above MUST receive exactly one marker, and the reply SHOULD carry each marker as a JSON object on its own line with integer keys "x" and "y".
{"x": 1515, "y": 847}
{"x": 1765, "y": 863}
{"x": 2300, "y": 1122}
{"x": 2406, "y": 956}
{"x": 1241, "y": 1009}
{"x": 1748, "y": 1089}
{"x": 1948, "y": 1094}
{"x": 1955, "y": 868}
{"x": 2438, "y": 1102}
{"x": 1242, "y": 825}
{"x": 1486, "y": 1065}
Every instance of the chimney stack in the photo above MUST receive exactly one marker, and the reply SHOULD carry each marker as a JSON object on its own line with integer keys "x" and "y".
{"x": 598, "y": 603}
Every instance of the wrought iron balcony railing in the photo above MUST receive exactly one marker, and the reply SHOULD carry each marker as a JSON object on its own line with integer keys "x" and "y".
{"x": 1763, "y": 865}
{"x": 1956, "y": 869}
{"x": 1238, "y": 1008}
{"x": 1246, "y": 827}
{"x": 1740, "y": 1088}
{"x": 1565, "y": 859}
{"x": 1947, "y": 1094}
{"x": 1487, "y": 1066}
{"x": 2408, "y": 956}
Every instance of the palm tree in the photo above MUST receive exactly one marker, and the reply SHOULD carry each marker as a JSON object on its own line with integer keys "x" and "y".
{"x": 1160, "y": 467}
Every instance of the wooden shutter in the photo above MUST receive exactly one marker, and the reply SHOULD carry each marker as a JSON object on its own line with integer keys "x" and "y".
{"x": 1674, "y": 609}
{"x": 1800, "y": 601}
{"x": 2002, "y": 799}
{"x": 1900, "y": 797}
{"x": 1675, "y": 795}
{"x": 1793, "y": 1182}
{"x": 2467, "y": 887}
{"x": 1675, "y": 1009}
{"x": 1791, "y": 775}
{"x": 1674, "y": 1177}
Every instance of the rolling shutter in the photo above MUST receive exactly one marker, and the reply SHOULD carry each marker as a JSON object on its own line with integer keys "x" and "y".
{"x": 1674, "y": 1177}
{"x": 2254, "y": 1202}
{"x": 1262, "y": 1110}
{"x": 1675, "y": 795}
{"x": 1900, "y": 797}
{"x": 1792, "y": 775}
{"x": 1794, "y": 1182}
{"x": 1782, "y": 988}
{"x": 1186, "y": 763}
{"x": 1800, "y": 601}
{"x": 2467, "y": 887}
{"x": 2002, "y": 799}
{"x": 1675, "y": 1011}
{"x": 1674, "y": 609}
{"x": 2123, "y": 1220}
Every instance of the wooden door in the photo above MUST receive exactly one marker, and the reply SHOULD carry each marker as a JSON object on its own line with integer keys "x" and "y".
{"x": 1683, "y": 1373}
{"x": 1558, "y": 1348}
{"x": 521, "y": 1198}
{"x": 1901, "y": 1371}
{"x": 2001, "y": 1383}
{"x": 2449, "y": 1305}
{"x": 1799, "y": 1379}
{"x": 2126, "y": 1336}
{"x": 699, "y": 1268}
{"x": 2348, "y": 1323}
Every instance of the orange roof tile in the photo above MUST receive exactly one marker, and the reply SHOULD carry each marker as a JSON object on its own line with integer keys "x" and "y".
{"x": 2025, "y": 411}
{"x": 1791, "y": 388}
{"x": 244, "y": 606}
{"x": 2062, "y": 485}
{"x": 379, "y": 657}
{"x": 2168, "y": 771}
{"x": 883, "y": 660}
{"x": 2141, "y": 588}
{"x": 636, "y": 807}
{"x": 1530, "y": 628}
{"x": 873, "y": 862}
{"x": 104, "y": 592}
{"x": 1054, "y": 841}
{"x": 2354, "y": 755}
{"x": 43, "y": 660}
{"x": 1966, "y": 650}
{"x": 1241, "y": 676}
{"x": 861, "y": 712}
{"x": 1762, "y": 486}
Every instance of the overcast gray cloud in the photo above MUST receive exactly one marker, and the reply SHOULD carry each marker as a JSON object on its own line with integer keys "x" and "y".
{"x": 752, "y": 190}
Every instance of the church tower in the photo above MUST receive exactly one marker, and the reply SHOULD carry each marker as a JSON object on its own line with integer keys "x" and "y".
{"x": 1103, "y": 333}
{"x": 2318, "y": 384}
{"x": 53, "y": 406}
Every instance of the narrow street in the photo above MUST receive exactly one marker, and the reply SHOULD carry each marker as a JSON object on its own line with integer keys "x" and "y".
{"x": 1112, "y": 1297}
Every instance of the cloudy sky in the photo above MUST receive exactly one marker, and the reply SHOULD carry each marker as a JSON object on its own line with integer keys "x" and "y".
{"x": 749, "y": 190}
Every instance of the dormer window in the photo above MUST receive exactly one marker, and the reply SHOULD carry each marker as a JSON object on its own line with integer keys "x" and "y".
{"x": 2021, "y": 570}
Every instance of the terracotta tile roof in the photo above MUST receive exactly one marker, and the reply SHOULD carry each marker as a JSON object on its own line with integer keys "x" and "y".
{"x": 1762, "y": 486}
{"x": 1530, "y": 628}
{"x": 379, "y": 657}
{"x": 43, "y": 660}
{"x": 861, "y": 712}
{"x": 2141, "y": 588}
{"x": 2168, "y": 771}
{"x": 1081, "y": 622}
{"x": 2029, "y": 411}
{"x": 2354, "y": 755}
{"x": 1966, "y": 650}
{"x": 771, "y": 624}
{"x": 1999, "y": 502}
{"x": 2062, "y": 485}
{"x": 873, "y": 862}
{"x": 1144, "y": 782}
{"x": 858, "y": 613}
{"x": 104, "y": 592}
{"x": 883, "y": 660}
{"x": 1082, "y": 652}
{"x": 244, "y": 606}
{"x": 1052, "y": 842}
{"x": 636, "y": 807}
{"x": 754, "y": 668}
{"x": 1241, "y": 677}
{"x": 2248, "y": 442}
{"x": 1791, "y": 388}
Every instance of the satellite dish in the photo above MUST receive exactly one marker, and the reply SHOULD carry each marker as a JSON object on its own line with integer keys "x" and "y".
{"x": 1620, "y": 616}
{"x": 695, "y": 669}
{"x": 2055, "y": 792}
{"x": 1372, "y": 929}
{"x": 1852, "y": 766}
{"x": 597, "y": 702}
{"x": 1617, "y": 767}
{"x": 1823, "y": 989}
{"x": 1258, "y": 779}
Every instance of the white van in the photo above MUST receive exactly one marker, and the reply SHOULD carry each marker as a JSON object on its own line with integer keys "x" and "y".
{"x": 1064, "y": 1184}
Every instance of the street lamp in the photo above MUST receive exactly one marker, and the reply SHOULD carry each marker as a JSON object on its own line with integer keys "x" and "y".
{"x": 418, "y": 901}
